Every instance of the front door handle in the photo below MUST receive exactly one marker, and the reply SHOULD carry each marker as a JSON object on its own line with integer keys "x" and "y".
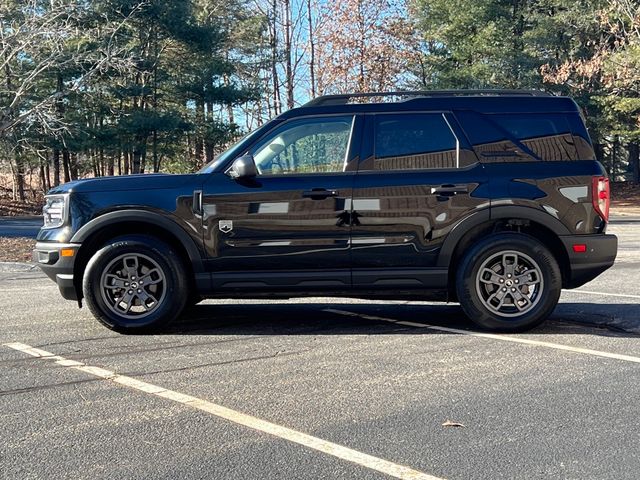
{"x": 319, "y": 193}
{"x": 449, "y": 190}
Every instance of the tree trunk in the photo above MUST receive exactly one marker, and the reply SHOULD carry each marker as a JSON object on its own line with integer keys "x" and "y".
{"x": 634, "y": 160}
{"x": 156, "y": 161}
{"x": 47, "y": 174}
{"x": 94, "y": 163}
{"x": 73, "y": 166}
{"x": 288, "y": 52}
{"x": 312, "y": 51}
{"x": 109, "y": 162}
{"x": 43, "y": 179}
{"x": 66, "y": 167}
{"x": 208, "y": 144}
{"x": 273, "y": 33}
{"x": 614, "y": 158}
{"x": 227, "y": 83}
{"x": 208, "y": 152}
{"x": 126, "y": 162}
{"x": 199, "y": 141}
{"x": 135, "y": 164}
{"x": 56, "y": 167}
{"x": 18, "y": 180}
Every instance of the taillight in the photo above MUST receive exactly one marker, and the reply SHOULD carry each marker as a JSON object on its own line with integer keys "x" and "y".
{"x": 601, "y": 197}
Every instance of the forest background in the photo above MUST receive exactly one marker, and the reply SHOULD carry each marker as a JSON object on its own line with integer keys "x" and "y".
{"x": 115, "y": 87}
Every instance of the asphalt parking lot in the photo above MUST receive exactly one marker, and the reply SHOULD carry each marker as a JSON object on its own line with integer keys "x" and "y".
{"x": 323, "y": 388}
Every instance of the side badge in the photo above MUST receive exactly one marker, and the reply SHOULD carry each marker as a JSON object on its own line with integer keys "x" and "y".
{"x": 225, "y": 225}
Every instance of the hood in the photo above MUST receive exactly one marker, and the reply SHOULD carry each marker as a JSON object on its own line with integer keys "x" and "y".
{"x": 151, "y": 181}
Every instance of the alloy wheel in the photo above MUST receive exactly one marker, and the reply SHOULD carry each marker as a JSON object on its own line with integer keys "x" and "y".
{"x": 509, "y": 283}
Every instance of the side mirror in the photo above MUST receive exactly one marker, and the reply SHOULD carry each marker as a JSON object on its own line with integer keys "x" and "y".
{"x": 243, "y": 167}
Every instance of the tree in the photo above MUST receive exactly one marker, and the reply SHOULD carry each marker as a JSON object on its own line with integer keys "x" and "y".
{"x": 607, "y": 71}
{"x": 363, "y": 46}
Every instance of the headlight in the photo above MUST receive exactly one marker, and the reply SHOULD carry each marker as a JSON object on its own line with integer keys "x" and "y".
{"x": 55, "y": 210}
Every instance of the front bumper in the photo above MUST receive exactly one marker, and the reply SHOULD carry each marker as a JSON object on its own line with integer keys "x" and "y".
{"x": 58, "y": 265}
{"x": 601, "y": 251}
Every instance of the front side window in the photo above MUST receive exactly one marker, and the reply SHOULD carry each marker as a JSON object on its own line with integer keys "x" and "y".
{"x": 310, "y": 145}
{"x": 414, "y": 141}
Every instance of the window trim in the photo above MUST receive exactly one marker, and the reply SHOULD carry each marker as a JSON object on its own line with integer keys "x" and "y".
{"x": 457, "y": 140}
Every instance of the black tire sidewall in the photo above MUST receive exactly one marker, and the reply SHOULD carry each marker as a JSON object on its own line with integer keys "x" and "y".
{"x": 470, "y": 300}
{"x": 175, "y": 284}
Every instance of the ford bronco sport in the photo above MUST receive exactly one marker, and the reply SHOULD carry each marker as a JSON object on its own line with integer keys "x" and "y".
{"x": 493, "y": 199}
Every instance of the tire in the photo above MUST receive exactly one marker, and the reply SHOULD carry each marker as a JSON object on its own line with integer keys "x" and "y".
{"x": 508, "y": 282}
{"x": 116, "y": 298}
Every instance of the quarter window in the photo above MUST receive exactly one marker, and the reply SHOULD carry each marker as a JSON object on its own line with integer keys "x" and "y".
{"x": 546, "y": 135}
{"x": 414, "y": 141}
{"x": 311, "y": 145}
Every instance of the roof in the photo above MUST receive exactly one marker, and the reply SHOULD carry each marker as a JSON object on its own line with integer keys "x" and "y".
{"x": 483, "y": 101}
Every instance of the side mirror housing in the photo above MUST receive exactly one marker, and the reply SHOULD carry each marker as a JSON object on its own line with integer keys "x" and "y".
{"x": 243, "y": 167}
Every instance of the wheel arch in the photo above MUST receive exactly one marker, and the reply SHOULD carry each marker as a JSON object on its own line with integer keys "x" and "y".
{"x": 101, "y": 229}
{"x": 538, "y": 224}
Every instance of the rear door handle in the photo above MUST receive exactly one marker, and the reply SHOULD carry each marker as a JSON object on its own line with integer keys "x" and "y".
{"x": 449, "y": 190}
{"x": 319, "y": 193}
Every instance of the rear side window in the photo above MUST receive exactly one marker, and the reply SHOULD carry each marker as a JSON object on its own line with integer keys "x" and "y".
{"x": 414, "y": 141}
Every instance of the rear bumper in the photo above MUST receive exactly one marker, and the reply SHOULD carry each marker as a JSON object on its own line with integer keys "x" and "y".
{"x": 601, "y": 251}
{"x": 57, "y": 267}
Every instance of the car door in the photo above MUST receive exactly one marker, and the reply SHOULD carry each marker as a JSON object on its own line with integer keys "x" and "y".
{"x": 418, "y": 178}
{"x": 288, "y": 227}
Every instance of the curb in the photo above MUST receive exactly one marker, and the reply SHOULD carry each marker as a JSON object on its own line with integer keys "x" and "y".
{"x": 17, "y": 267}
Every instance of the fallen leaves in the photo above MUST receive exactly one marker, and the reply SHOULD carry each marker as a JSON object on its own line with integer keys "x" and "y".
{"x": 16, "y": 249}
{"x": 449, "y": 423}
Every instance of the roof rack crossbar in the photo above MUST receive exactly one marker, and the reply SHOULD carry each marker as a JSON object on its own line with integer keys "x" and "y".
{"x": 342, "y": 99}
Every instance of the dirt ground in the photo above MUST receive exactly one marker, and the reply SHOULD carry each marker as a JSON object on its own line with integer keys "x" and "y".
{"x": 625, "y": 198}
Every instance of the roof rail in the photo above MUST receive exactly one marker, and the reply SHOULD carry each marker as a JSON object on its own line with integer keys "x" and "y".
{"x": 342, "y": 99}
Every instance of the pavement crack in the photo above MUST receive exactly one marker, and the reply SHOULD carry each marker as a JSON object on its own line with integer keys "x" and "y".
{"x": 123, "y": 350}
{"x": 75, "y": 383}
{"x": 217, "y": 364}
{"x": 36, "y": 388}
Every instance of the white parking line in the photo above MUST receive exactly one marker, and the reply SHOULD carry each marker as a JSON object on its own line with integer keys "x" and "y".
{"x": 622, "y": 295}
{"x": 333, "y": 449}
{"x": 503, "y": 338}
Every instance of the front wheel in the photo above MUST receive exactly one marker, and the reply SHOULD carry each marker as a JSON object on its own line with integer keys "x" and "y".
{"x": 135, "y": 284}
{"x": 508, "y": 282}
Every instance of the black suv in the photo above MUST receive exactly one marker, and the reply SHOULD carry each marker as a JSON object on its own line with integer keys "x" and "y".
{"x": 493, "y": 199}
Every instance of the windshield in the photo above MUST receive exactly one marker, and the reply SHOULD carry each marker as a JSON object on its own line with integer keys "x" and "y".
{"x": 237, "y": 149}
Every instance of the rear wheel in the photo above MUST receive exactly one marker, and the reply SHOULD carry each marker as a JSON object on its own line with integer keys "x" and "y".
{"x": 135, "y": 284}
{"x": 508, "y": 282}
